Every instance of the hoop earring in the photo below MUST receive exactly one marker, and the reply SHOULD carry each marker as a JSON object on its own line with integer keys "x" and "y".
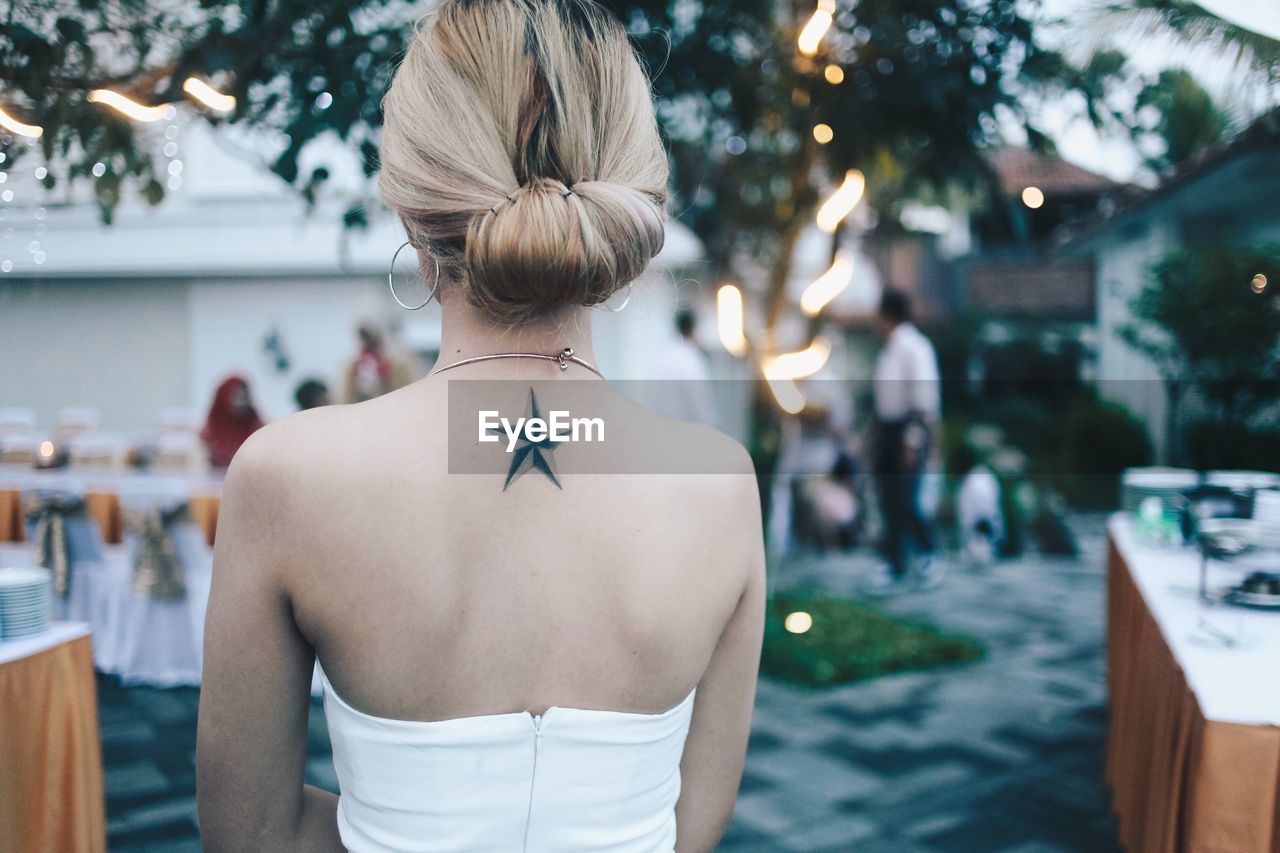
{"x": 391, "y": 281}
{"x": 625, "y": 302}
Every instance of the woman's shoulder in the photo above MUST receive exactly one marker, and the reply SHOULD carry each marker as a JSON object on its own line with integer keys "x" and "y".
{"x": 707, "y": 471}
{"x": 286, "y": 453}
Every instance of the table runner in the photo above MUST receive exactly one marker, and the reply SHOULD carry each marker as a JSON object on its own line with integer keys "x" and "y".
{"x": 104, "y": 507}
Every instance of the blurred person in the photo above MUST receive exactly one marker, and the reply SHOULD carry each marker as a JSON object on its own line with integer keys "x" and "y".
{"x": 978, "y": 512}
{"x": 406, "y": 365}
{"x": 827, "y": 512}
{"x": 683, "y": 370}
{"x": 232, "y": 419}
{"x": 370, "y": 373}
{"x": 311, "y": 394}
{"x": 908, "y": 405}
{"x": 592, "y": 641}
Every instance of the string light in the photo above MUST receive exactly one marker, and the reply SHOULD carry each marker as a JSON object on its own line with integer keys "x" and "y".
{"x": 827, "y": 286}
{"x": 1259, "y": 283}
{"x": 813, "y": 32}
{"x": 20, "y": 128}
{"x": 1033, "y": 197}
{"x": 729, "y": 317}
{"x": 781, "y": 371}
{"x": 209, "y": 96}
{"x": 823, "y": 133}
{"x": 128, "y": 107}
{"x": 797, "y": 365}
{"x": 788, "y": 395}
{"x": 834, "y": 75}
{"x": 842, "y": 202}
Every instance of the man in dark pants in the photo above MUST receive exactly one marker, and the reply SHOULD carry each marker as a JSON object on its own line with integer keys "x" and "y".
{"x": 908, "y": 404}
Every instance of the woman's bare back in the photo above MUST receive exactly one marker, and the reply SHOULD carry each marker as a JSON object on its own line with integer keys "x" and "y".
{"x": 432, "y": 595}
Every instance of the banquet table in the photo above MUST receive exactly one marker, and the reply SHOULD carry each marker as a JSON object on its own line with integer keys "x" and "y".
{"x": 1193, "y": 758}
{"x": 102, "y": 501}
{"x": 51, "y": 795}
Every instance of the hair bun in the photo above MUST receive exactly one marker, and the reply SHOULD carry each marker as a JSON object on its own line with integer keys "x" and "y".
{"x": 500, "y": 94}
{"x": 549, "y": 245}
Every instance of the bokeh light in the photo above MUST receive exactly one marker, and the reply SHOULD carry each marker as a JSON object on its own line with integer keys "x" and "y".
{"x": 20, "y": 128}
{"x": 729, "y": 318}
{"x": 128, "y": 107}
{"x": 1033, "y": 197}
{"x": 842, "y": 202}
{"x": 798, "y": 622}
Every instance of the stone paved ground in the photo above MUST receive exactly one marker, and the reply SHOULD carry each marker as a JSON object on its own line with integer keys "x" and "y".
{"x": 1004, "y": 754}
{"x": 1001, "y": 755}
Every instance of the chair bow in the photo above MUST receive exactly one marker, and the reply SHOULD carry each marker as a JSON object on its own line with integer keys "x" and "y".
{"x": 157, "y": 571}
{"x": 49, "y": 512}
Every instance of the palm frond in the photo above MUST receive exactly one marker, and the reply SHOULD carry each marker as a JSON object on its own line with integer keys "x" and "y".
{"x": 1188, "y": 23}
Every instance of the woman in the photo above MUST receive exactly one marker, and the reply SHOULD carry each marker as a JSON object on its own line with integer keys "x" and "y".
{"x": 526, "y": 659}
{"x": 232, "y": 419}
{"x": 370, "y": 373}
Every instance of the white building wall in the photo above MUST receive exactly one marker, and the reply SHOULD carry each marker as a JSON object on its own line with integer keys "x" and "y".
{"x": 315, "y": 319}
{"x": 1125, "y": 376}
{"x": 158, "y": 308}
{"x": 120, "y": 346}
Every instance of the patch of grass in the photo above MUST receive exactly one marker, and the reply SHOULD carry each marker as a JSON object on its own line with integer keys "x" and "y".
{"x": 851, "y": 641}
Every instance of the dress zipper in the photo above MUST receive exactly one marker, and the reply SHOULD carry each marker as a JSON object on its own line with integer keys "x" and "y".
{"x": 533, "y": 776}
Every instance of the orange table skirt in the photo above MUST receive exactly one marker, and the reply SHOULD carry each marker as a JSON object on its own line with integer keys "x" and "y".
{"x": 12, "y": 527}
{"x": 51, "y": 798}
{"x": 1179, "y": 782}
{"x": 105, "y": 509}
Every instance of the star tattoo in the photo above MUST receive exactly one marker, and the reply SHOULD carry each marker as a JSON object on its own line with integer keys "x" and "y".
{"x": 532, "y": 455}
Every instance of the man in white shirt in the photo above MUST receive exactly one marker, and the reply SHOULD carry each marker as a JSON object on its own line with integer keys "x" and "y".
{"x": 908, "y": 404}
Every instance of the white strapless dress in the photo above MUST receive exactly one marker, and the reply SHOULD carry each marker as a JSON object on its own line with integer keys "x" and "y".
{"x": 564, "y": 781}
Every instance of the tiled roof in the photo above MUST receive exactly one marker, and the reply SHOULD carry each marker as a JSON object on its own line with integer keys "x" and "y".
{"x": 1261, "y": 138}
{"x": 1019, "y": 168}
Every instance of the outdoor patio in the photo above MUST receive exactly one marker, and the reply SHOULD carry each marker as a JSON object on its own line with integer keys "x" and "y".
{"x": 1002, "y": 755}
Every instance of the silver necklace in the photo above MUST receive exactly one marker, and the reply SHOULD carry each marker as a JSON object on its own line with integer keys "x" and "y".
{"x": 563, "y": 358}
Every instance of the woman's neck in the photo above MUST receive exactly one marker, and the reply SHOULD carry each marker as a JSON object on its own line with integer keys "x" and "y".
{"x": 466, "y": 332}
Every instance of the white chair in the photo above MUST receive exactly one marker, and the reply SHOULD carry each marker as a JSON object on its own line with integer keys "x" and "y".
{"x": 76, "y": 420}
{"x": 98, "y": 450}
{"x": 20, "y": 448}
{"x": 17, "y": 419}
{"x": 160, "y": 640}
{"x": 180, "y": 453}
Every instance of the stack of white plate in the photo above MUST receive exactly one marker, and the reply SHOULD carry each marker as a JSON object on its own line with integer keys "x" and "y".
{"x": 1138, "y": 484}
{"x": 1243, "y": 481}
{"x": 1266, "y": 508}
{"x": 26, "y": 602}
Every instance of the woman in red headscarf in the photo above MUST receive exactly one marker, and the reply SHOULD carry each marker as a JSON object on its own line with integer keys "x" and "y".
{"x": 232, "y": 419}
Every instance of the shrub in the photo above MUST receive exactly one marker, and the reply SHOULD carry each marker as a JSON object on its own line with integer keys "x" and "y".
{"x": 1099, "y": 440}
{"x": 850, "y": 641}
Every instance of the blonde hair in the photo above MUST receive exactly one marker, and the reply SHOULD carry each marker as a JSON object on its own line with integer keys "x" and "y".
{"x": 521, "y": 150}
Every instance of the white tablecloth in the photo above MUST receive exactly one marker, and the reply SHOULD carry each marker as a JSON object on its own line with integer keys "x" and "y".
{"x": 58, "y": 633}
{"x": 26, "y": 477}
{"x": 1231, "y": 685}
{"x": 154, "y": 643}
{"x": 140, "y": 639}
